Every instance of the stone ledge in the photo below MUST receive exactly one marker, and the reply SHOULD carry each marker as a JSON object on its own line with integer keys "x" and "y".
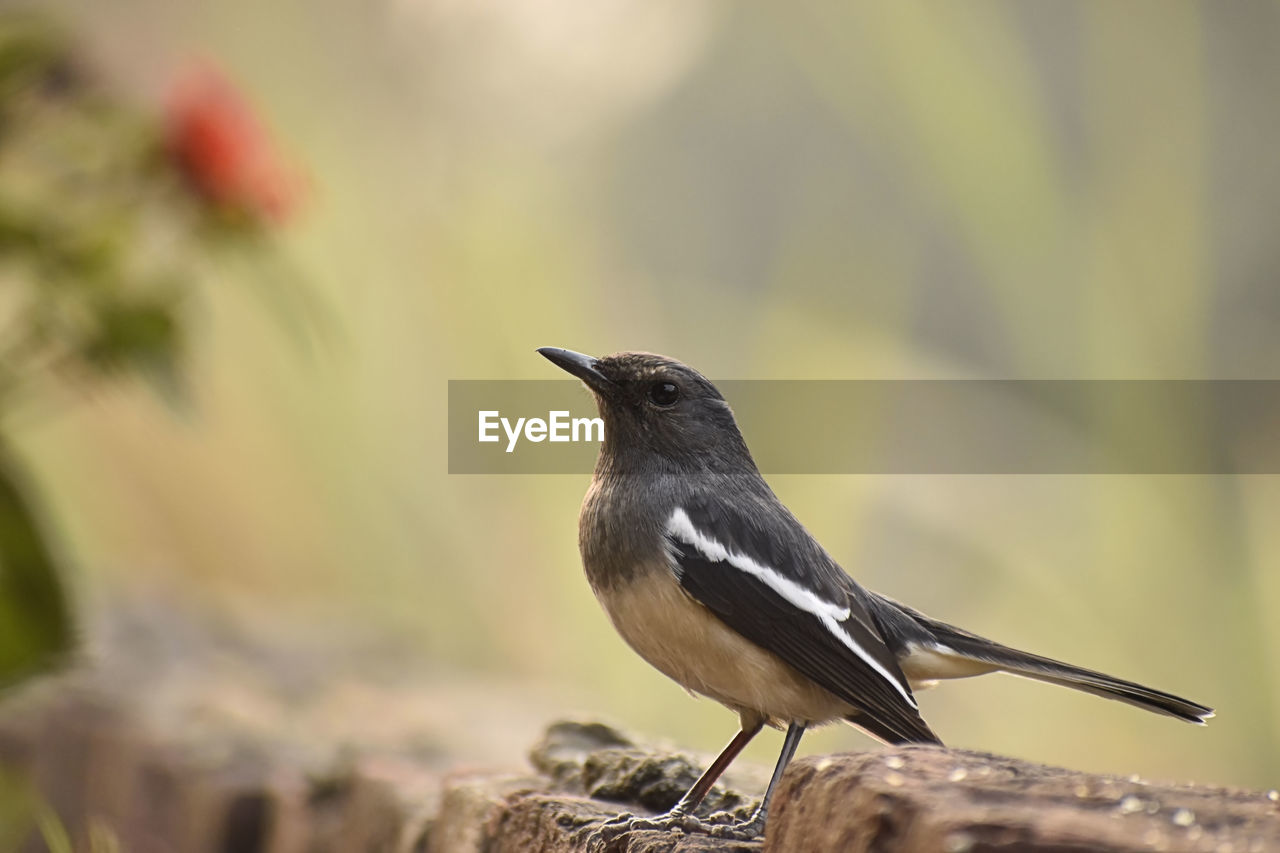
{"x": 907, "y": 799}
{"x": 935, "y": 799}
{"x": 96, "y": 761}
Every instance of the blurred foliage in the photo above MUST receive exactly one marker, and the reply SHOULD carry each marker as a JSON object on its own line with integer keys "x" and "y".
{"x": 35, "y": 625}
{"x": 74, "y": 171}
{"x": 23, "y": 809}
{"x": 106, "y": 211}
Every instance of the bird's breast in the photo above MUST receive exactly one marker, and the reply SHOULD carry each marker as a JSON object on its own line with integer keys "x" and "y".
{"x": 686, "y": 642}
{"x": 617, "y": 531}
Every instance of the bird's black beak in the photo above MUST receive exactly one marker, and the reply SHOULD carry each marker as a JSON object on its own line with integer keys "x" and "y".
{"x": 581, "y": 366}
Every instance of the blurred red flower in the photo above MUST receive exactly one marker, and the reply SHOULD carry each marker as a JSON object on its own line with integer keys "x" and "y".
{"x": 216, "y": 139}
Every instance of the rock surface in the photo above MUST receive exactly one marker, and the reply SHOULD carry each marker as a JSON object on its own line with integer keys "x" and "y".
{"x": 899, "y": 800}
{"x": 101, "y": 768}
{"x": 935, "y": 799}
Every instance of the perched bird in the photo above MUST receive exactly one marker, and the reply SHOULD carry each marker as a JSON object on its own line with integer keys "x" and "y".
{"x": 709, "y": 578}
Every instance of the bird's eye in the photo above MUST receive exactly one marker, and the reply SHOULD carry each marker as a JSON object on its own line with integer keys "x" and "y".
{"x": 664, "y": 393}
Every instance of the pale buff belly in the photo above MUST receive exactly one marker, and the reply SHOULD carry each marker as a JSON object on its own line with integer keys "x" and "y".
{"x": 686, "y": 642}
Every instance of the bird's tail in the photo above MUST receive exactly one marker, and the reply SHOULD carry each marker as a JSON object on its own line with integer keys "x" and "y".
{"x": 979, "y": 649}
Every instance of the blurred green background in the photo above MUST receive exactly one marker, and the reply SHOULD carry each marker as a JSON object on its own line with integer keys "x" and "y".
{"x": 808, "y": 190}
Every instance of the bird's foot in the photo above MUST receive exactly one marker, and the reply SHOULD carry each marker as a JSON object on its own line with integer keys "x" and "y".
{"x": 601, "y": 837}
{"x": 727, "y": 825}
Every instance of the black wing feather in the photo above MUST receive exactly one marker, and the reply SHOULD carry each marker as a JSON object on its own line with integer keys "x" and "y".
{"x": 755, "y": 610}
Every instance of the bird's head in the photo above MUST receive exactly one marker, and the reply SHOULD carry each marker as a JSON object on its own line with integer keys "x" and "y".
{"x": 655, "y": 408}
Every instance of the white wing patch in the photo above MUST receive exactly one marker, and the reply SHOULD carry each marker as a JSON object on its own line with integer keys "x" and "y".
{"x": 680, "y": 527}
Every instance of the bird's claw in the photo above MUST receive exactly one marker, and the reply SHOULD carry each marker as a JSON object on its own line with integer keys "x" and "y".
{"x": 601, "y": 837}
{"x": 598, "y": 838}
{"x": 727, "y": 825}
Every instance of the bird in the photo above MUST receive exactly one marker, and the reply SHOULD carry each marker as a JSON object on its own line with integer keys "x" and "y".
{"x": 710, "y": 578}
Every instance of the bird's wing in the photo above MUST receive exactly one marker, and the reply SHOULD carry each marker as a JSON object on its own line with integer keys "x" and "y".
{"x": 761, "y": 573}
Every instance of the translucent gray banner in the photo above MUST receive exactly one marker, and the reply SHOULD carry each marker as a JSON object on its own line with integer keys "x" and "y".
{"x": 906, "y": 427}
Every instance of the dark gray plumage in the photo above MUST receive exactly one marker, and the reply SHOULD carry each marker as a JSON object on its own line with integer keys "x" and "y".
{"x": 713, "y": 581}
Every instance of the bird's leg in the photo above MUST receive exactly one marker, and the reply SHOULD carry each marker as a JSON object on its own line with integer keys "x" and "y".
{"x": 754, "y": 825}
{"x": 681, "y": 815}
{"x": 698, "y": 792}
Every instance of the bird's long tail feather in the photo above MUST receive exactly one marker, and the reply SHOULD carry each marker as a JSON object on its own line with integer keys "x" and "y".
{"x": 973, "y": 647}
